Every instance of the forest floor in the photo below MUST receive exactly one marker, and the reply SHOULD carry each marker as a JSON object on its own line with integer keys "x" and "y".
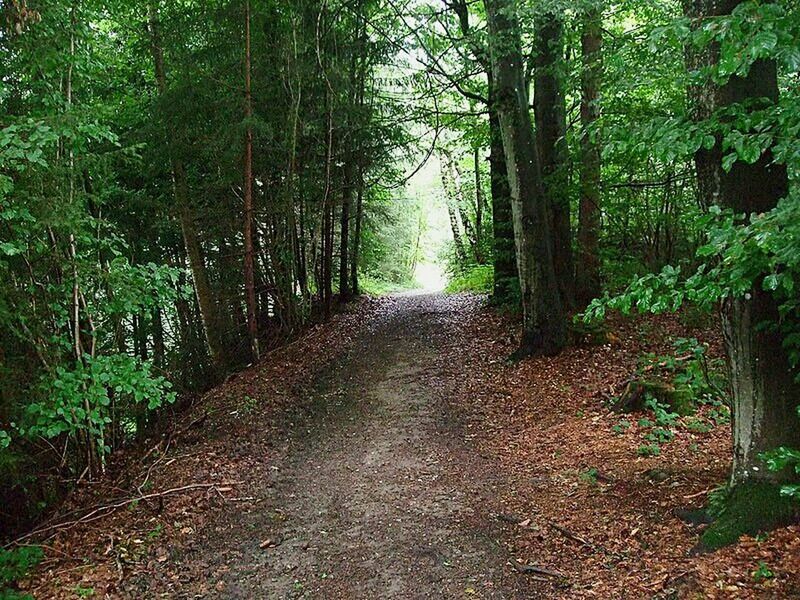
{"x": 394, "y": 453}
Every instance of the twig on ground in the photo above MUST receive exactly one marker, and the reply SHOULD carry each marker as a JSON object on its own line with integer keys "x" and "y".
{"x": 528, "y": 569}
{"x": 107, "y": 509}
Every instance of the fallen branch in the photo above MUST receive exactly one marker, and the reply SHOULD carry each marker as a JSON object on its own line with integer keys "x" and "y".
{"x": 569, "y": 535}
{"x": 698, "y": 494}
{"x": 107, "y": 509}
{"x": 527, "y": 569}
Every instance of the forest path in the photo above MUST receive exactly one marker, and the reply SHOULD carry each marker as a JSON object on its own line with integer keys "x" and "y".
{"x": 377, "y": 494}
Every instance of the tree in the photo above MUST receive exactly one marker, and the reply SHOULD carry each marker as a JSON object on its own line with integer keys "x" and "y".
{"x": 587, "y": 278}
{"x": 544, "y": 326}
{"x": 194, "y": 251}
{"x": 551, "y": 132}
{"x": 249, "y": 253}
{"x": 764, "y": 388}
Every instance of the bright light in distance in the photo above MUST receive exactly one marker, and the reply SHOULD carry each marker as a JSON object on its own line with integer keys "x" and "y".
{"x": 430, "y": 277}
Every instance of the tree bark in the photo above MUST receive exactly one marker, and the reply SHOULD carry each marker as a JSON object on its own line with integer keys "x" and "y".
{"x": 357, "y": 232}
{"x": 480, "y": 200}
{"x": 587, "y": 273}
{"x": 194, "y": 252}
{"x": 544, "y": 326}
{"x": 551, "y": 130}
{"x": 503, "y": 251}
{"x": 344, "y": 238}
{"x": 504, "y": 255}
{"x": 451, "y": 201}
{"x": 249, "y": 255}
{"x": 764, "y": 390}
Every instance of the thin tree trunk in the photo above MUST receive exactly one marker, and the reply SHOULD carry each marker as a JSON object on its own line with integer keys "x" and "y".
{"x": 551, "y": 131}
{"x": 344, "y": 236}
{"x": 194, "y": 252}
{"x": 480, "y": 201}
{"x": 544, "y": 325}
{"x": 249, "y": 270}
{"x": 587, "y": 275}
{"x": 357, "y": 232}
{"x": 451, "y": 201}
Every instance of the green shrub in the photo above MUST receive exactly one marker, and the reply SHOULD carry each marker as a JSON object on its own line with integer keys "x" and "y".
{"x": 14, "y": 565}
{"x": 373, "y": 286}
{"x": 477, "y": 279}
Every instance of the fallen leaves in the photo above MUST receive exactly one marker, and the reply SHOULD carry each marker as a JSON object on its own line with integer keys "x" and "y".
{"x": 544, "y": 423}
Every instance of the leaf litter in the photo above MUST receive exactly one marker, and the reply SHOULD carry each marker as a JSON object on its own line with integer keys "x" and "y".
{"x": 580, "y": 513}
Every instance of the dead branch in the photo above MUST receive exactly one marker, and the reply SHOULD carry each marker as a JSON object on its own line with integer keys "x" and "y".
{"x": 105, "y": 510}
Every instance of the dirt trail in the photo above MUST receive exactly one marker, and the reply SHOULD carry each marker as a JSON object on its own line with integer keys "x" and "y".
{"x": 376, "y": 495}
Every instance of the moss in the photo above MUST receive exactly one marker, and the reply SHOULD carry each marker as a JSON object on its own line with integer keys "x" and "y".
{"x": 682, "y": 401}
{"x": 589, "y": 334}
{"x": 679, "y": 399}
{"x": 748, "y": 509}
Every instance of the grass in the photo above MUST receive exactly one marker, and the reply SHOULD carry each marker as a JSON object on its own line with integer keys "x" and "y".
{"x": 377, "y": 287}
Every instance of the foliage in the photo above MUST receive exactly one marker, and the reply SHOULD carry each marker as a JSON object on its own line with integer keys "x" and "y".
{"x": 782, "y": 459}
{"x": 14, "y": 565}
{"x": 762, "y": 572}
{"x": 478, "y": 280}
{"x": 762, "y": 251}
{"x": 687, "y": 380}
{"x": 80, "y": 400}
{"x": 122, "y": 134}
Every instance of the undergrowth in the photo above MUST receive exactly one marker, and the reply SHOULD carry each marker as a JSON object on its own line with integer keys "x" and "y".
{"x": 690, "y": 399}
{"x": 478, "y": 279}
{"x": 14, "y": 565}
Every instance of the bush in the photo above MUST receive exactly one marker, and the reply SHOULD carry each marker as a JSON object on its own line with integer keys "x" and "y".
{"x": 14, "y": 565}
{"x": 478, "y": 279}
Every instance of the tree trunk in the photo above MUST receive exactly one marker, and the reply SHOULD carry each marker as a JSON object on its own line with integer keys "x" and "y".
{"x": 480, "y": 201}
{"x": 587, "y": 273}
{"x": 551, "y": 131}
{"x": 503, "y": 250}
{"x": 765, "y": 393}
{"x": 451, "y": 201}
{"x": 344, "y": 236}
{"x": 249, "y": 261}
{"x": 194, "y": 252}
{"x": 357, "y": 232}
{"x": 544, "y": 326}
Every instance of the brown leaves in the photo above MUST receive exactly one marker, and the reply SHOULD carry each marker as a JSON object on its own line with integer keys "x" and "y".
{"x": 544, "y": 423}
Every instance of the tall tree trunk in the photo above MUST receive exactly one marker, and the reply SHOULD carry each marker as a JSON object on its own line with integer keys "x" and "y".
{"x": 451, "y": 201}
{"x": 480, "y": 201}
{"x": 357, "y": 231}
{"x": 551, "y": 130}
{"x": 504, "y": 255}
{"x": 194, "y": 252}
{"x": 544, "y": 326}
{"x": 587, "y": 273}
{"x": 249, "y": 261}
{"x": 344, "y": 235}
{"x": 765, "y": 392}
